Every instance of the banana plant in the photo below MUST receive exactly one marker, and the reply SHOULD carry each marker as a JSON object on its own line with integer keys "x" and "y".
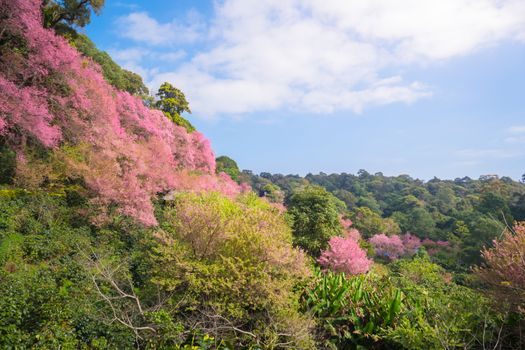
{"x": 352, "y": 309}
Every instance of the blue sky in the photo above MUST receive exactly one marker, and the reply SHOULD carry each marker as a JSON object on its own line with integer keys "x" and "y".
{"x": 420, "y": 87}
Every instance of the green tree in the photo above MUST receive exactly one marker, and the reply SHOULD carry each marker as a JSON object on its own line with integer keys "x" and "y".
{"x": 70, "y": 12}
{"x": 483, "y": 230}
{"x": 229, "y": 166}
{"x": 222, "y": 262}
{"x": 315, "y": 214}
{"x": 445, "y": 199}
{"x": 418, "y": 221}
{"x": 273, "y": 193}
{"x": 173, "y": 103}
{"x": 495, "y": 205}
{"x": 368, "y": 222}
{"x": 438, "y": 313}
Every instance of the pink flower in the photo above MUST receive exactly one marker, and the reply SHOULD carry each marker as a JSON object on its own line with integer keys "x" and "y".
{"x": 345, "y": 255}
{"x": 346, "y": 223}
{"x": 353, "y": 234}
{"x": 411, "y": 243}
{"x": 390, "y": 247}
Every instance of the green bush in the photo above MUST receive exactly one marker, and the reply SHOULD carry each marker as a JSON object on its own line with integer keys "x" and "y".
{"x": 352, "y": 312}
{"x": 439, "y": 313}
{"x": 230, "y": 266}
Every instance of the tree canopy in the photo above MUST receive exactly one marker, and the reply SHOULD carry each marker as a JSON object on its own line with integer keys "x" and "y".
{"x": 173, "y": 103}
{"x": 70, "y": 12}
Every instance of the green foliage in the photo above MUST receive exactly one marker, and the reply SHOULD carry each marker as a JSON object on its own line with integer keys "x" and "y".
{"x": 229, "y": 166}
{"x": 419, "y": 221}
{"x": 273, "y": 193}
{"x": 495, "y": 206}
{"x": 8, "y": 165}
{"x": 173, "y": 103}
{"x": 46, "y": 299}
{"x": 223, "y": 262}
{"x": 370, "y": 223}
{"x": 352, "y": 311}
{"x": 440, "y": 314}
{"x": 70, "y": 12}
{"x": 378, "y": 203}
{"x": 315, "y": 213}
{"x": 415, "y": 306}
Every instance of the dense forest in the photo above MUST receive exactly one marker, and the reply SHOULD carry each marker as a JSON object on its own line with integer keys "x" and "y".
{"x": 120, "y": 229}
{"x": 466, "y": 213}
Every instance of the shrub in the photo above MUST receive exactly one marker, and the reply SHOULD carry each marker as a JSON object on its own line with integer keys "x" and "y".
{"x": 352, "y": 311}
{"x": 440, "y": 314}
{"x": 231, "y": 269}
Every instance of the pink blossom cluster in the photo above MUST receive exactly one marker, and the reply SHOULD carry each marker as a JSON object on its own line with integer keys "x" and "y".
{"x": 346, "y": 223}
{"x": 349, "y": 232}
{"x": 411, "y": 243}
{"x": 353, "y": 234}
{"x": 390, "y": 247}
{"x": 125, "y": 152}
{"x": 433, "y": 247}
{"x": 393, "y": 247}
{"x": 345, "y": 255}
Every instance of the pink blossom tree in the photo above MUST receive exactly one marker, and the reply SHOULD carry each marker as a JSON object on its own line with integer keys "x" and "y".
{"x": 411, "y": 243}
{"x": 345, "y": 255}
{"x": 390, "y": 247}
{"x": 434, "y": 247}
{"x": 348, "y": 230}
{"x": 504, "y": 268}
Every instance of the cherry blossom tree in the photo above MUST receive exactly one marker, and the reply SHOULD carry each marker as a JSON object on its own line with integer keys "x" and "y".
{"x": 390, "y": 247}
{"x": 504, "y": 268}
{"x": 345, "y": 255}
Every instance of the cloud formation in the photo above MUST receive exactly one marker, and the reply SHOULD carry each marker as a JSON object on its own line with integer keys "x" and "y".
{"x": 516, "y": 134}
{"x": 322, "y": 56}
{"x": 141, "y": 27}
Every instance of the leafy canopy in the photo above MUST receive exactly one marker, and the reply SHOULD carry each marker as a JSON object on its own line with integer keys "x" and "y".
{"x": 70, "y": 12}
{"x": 315, "y": 214}
{"x": 173, "y": 103}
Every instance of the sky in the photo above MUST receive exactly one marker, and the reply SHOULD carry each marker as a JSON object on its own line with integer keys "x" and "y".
{"x": 420, "y": 87}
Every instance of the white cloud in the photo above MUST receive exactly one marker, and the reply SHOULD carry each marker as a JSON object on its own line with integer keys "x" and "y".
{"x": 515, "y": 139}
{"x": 432, "y": 29}
{"x": 134, "y": 54}
{"x": 141, "y": 27}
{"x": 517, "y": 129}
{"x": 133, "y": 59}
{"x": 516, "y": 134}
{"x": 323, "y": 56}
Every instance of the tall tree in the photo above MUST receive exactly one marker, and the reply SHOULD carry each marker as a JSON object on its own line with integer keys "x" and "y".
{"x": 173, "y": 103}
{"x": 69, "y": 12}
{"x": 315, "y": 214}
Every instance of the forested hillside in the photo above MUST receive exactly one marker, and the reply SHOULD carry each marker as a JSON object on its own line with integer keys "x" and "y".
{"x": 119, "y": 229}
{"x": 466, "y": 213}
